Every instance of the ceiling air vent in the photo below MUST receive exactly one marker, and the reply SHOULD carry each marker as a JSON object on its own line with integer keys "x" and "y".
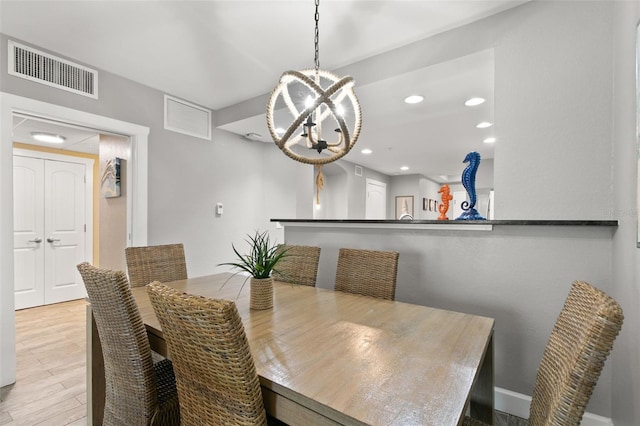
{"x": 31, "y": 64}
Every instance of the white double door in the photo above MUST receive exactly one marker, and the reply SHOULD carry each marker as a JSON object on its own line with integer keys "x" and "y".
{"x": 49, "y": 230}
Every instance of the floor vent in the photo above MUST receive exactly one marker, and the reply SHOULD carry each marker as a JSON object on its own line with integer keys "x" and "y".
{"x": 41, "y": 67}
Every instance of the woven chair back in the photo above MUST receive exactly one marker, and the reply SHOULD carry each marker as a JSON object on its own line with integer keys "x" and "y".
{"x": 162, "y": 263}
{"x": 215, "y": 373}
{"x": 580, "y": 342}
{"x": 367, "y": 272}
{"x": 131, "y": 393}
{"x": 299, "y": 265}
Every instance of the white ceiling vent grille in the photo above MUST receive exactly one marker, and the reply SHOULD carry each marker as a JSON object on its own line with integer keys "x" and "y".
{"x": 184, "y": 117}
{"x": 41, "y": 67}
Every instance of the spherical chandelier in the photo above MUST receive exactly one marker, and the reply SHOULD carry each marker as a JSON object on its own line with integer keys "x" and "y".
{"x": 317, "y": 100}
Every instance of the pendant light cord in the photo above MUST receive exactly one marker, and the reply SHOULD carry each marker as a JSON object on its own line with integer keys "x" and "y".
{"x": 317, "y": 38}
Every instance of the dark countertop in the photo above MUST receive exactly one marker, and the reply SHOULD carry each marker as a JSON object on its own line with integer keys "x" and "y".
{"x": 457, "y": 222}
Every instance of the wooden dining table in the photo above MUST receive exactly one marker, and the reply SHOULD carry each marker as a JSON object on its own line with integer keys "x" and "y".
{"x": 331, "y": 358}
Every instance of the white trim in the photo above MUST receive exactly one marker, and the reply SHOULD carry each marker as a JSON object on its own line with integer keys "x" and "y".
{"x": 136, "y": 203}
{"x": 513, "y": 403}
{"x": 393, "y": 225}
{"x": 88, "y": 174}
{"x": 518, "y": 404}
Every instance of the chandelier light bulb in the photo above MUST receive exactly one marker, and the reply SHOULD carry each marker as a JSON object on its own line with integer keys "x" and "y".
{"x": 308, "y": 102}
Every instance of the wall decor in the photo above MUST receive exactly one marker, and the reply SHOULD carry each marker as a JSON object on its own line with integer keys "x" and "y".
{"x": 446, "y": 198}
{"x": 425, "y": 204}
{"x": 404, "y": 206}
{"x": 110, "y": 179}
{"x": 469, "y": 181}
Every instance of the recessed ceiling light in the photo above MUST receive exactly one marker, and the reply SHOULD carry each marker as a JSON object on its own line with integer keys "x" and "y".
{"x": 404, "y": 168}
{"x": 366, "y": 151}
{"x": 489, "y": 140}
{"x": 474, "y": 101}
{"x": 280, "y": 131}
{"x": 414, "y": 99}
{"x": 48, "y": 137}
{"x": 484, "y": 125}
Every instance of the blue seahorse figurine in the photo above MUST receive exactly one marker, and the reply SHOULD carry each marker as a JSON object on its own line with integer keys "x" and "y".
{"x": 469, "y": 182}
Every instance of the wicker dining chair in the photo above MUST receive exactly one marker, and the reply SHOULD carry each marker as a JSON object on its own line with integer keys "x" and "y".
{"x": 138, "y": 392}
{"x": 580, "y": 342}
{"x": 162, "y": 263}
{"x": 215, "y": 373}
{"x": 299, "y": 265}
{"x": 367, "y": 272}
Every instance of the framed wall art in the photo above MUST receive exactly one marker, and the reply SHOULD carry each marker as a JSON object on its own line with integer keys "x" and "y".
{"x": 110, "y": 179}
{"x": 404, "y": 206}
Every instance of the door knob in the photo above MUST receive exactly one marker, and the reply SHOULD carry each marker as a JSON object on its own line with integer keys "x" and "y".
{"x": 51, "y": 240}
{"x": 36, "y": 240}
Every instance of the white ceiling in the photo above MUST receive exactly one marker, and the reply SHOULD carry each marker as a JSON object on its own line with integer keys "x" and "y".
{"x": 221, "y": 53}
{"x": 77, "y": 139}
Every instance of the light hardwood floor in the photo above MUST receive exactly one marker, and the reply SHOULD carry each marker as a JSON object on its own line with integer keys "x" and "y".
{"x": 51, "y": 368}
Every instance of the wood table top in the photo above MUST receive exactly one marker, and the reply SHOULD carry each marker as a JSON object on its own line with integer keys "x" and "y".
{"x": 354, "y": 359}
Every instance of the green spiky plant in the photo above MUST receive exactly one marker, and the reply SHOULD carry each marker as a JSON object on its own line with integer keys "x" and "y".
{"x": 262, "y": 259}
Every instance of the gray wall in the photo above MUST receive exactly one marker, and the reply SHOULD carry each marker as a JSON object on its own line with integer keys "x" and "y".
{"x": 112, "y": 212}
{"x": 553, "y": 112}
{"x": 626, "y": 279}
{"x": 511, "y": 274}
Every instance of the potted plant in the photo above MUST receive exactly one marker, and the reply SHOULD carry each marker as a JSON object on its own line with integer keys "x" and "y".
{"x": 259, "y": 262}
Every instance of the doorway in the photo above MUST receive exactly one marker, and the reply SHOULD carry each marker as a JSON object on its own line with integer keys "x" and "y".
{"x": 136, "y": 207}
{"x": 376, "y": 200}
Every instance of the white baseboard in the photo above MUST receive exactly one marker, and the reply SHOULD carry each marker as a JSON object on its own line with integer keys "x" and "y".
{"x": 517, "y": 404}
{"x": 512, "y": 402}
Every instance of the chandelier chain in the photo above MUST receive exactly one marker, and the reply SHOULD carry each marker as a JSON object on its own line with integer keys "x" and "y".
{"x": 316, "y": 39}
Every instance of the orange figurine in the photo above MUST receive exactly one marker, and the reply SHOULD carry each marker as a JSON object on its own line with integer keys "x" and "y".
{"x": 444, "y": 206}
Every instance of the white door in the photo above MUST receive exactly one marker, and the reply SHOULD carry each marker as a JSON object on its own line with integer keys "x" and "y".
{"x": 28, "y": 231}
{"x": 376, "y": 200}
{"x": 49, "y": 236}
